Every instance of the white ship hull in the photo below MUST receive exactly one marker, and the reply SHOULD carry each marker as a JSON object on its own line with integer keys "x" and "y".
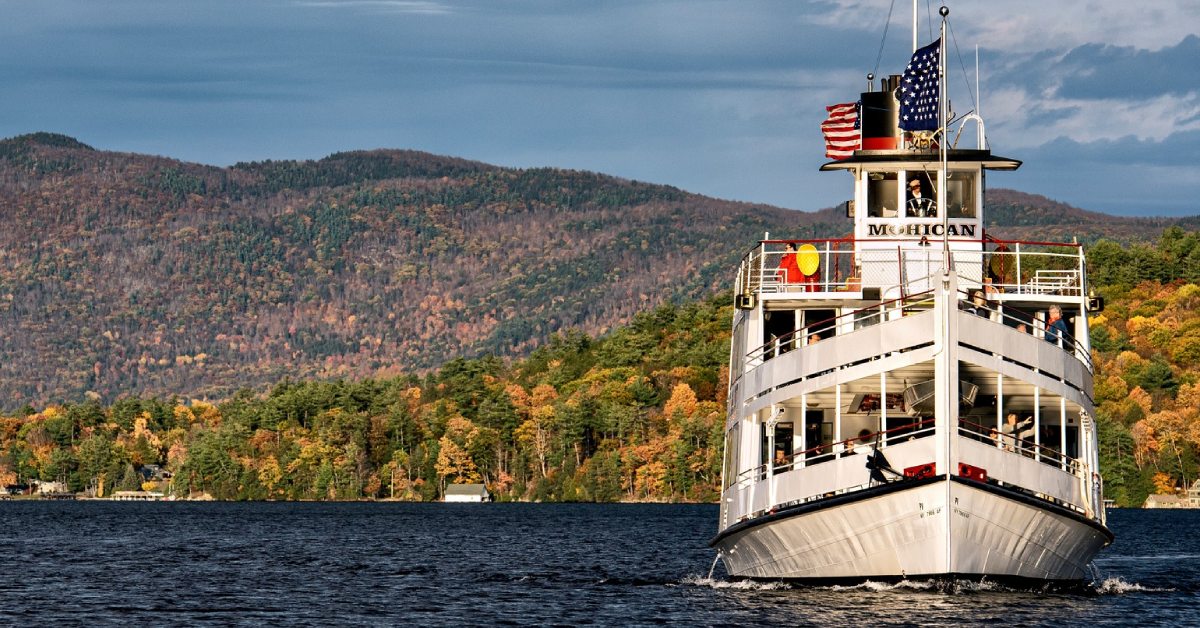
{"x": 916, "y": 529}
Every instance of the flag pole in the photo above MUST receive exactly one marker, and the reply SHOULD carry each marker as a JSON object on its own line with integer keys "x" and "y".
{"x": 914, "y": 25}
{"x": 943, "y": 122}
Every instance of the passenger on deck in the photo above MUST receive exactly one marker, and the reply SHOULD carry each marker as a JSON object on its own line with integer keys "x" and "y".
{"x": 814, "y": 339}
{"x": 1056, "y": 329}
{"x": 978, "y": 305}
{"x": 789, "y": 266}
{"x": 1015, "y": 432}
{"x": 1019, "y": 319}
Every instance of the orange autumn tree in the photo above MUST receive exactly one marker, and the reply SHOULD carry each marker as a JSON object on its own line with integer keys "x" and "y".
{"x": 454, "y": 463}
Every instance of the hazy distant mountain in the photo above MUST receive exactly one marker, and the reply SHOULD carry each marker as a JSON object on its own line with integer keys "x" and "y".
{"x": 1020, "y": 216}
{"x": 133, "y": 274}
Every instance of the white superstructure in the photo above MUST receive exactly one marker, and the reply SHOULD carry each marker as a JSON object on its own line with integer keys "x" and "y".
{"x": 868, "y": 431}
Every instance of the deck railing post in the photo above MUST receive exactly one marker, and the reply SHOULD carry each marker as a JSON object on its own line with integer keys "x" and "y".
{"x": 1018, "y": 277}
{"x": 762, "y": 265}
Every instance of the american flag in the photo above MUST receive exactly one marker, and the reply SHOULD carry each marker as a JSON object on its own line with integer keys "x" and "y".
{"x": 919, "y": 90}
{"x": 841, "y": 129}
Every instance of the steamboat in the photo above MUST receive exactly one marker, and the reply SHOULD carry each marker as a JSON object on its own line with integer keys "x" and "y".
{"x": 915, "y": 400}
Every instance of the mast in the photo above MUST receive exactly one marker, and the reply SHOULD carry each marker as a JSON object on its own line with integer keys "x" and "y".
{"x": 914, "y": 25}
{"x": 944, "y": 124}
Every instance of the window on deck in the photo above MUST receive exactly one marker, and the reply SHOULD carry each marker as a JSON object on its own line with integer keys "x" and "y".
{"x": 881, "y": 194}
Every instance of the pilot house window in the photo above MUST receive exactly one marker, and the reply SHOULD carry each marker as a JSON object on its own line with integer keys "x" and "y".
{"x": 960, "y": 194}
{"x": 881, "y": 195}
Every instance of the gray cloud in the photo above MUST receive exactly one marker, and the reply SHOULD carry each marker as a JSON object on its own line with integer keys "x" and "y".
{"x": 1124, "y": 176}
{"x": 1181, "y": 148}
{"x": 1101, "y": 71}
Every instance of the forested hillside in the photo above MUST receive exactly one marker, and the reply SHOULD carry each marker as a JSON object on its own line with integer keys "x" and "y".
{"x": 126, "y": 274}
{"x": 636, "y": 415}
{"x": 633, "y": 415}
{"x": 1020, "y": 216}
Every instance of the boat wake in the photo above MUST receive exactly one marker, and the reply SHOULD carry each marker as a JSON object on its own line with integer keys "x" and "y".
{"x": 936, "y": 585}
{"x": 735, "y": 585}
{"x": 1108, "y": 586}
{"x": 1117, "y": 586}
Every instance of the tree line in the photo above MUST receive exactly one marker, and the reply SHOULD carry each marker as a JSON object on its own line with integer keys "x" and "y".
{"x": 635, "y": 414}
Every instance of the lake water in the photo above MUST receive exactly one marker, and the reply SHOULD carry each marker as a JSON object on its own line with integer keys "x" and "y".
{"x": 75, "y": 563}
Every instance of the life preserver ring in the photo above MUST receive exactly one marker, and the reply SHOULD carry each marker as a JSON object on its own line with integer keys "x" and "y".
{"x": 808, "y": 259}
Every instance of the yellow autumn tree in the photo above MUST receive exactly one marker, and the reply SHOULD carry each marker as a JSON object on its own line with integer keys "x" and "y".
{"x": 454, "y": 464}
{"x": 1145, "y": 445}
{"x": 535, "y": 434}
{"x": 682, "y": 403}
{"x": 1163, "y": 484}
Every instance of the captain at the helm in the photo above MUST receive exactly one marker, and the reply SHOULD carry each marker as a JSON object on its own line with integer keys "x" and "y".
{"x": 920, "y": 204}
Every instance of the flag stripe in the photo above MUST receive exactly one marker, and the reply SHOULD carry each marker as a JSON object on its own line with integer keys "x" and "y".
{"x": 841, "y": 129}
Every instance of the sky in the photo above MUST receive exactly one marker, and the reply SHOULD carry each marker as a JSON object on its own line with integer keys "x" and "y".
{"x": 1099, "y": 98}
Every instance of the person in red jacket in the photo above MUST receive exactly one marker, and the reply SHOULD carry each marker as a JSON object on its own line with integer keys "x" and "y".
{"x": 789, "y": 266}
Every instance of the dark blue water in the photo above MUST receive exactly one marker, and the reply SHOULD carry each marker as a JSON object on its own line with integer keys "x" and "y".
{"x": 74, "y": 563}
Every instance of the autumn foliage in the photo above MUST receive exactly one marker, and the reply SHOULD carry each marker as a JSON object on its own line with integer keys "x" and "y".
{"x": 619, "y": 418}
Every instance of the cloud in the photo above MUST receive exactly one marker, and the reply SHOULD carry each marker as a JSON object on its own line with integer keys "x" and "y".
{"x": 1102, "y": 71}
{"x": 1027, "y": 25}
{"x": 721, "y": 97}
{"x": 1174, "y": 150}
{"x": 1125, "y": 175}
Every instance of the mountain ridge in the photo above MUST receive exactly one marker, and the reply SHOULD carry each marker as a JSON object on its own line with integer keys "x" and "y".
{"x": 134, "y": 274}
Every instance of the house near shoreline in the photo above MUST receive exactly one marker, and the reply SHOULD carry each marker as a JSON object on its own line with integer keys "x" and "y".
{"x": 1191, "y": 499}
{"x": 466, "y": 493}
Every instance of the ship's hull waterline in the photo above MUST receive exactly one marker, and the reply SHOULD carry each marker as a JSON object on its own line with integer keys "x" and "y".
{"x": 920, "y": 529}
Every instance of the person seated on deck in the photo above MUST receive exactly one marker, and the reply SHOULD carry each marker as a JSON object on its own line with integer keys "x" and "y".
{"x": 780, "y": 459}
{"x": 978, "y": 305}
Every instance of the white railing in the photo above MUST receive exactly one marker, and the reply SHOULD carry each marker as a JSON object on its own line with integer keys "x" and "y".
{"x": 760, "y": 271}
{"x": 1083, "y": 488}
{"x": 1021, "y": 321}
{"x": 827, "y": 452}
{"x": 1015, "y": 267}
{"x": 819, "y": 330}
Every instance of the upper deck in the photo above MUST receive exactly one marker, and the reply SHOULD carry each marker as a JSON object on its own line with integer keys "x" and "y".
{"x": 846, "y": 270}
